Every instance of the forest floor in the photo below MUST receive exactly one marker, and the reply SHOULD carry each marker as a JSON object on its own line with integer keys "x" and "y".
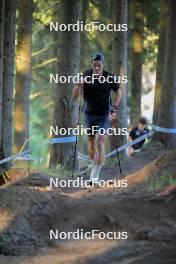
{"x": 30, "y": 209}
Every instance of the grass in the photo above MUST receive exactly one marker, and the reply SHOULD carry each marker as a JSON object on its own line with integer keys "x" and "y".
{"x": 57, "y": 171}
{"x": 42, "y": 167}
{"x": 157, "y": 182}
{"x": 113, "y": 160}
{"x": 173, "y": 181}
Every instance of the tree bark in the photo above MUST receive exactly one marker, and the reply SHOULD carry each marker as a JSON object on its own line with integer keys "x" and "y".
{"x": 84, "y": 8}
{"x": 167, "y": 115}
{"x": 23, "y": 74}
{"x": 7, "y": 39}
{"x": 2, "y": 5}
{"x": 8, "y": 74}
{"x": 160, "y": 58}
{"x": 119, "y": 66}
{"x": 2, "y": 10}
{"x": 137, "y": 60}
{"x": 68, "y": 64}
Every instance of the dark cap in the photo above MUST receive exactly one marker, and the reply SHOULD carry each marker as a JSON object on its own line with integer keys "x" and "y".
{"x": 143, "y": 120}
{"x": 98, "y": 56}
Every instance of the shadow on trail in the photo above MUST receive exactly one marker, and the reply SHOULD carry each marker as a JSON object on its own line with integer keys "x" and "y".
{"x": 136, "y": 252}
{"x": 33, "y": 211}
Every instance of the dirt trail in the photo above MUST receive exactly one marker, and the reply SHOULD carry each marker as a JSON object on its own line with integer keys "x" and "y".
{"x": 29, "y": 210}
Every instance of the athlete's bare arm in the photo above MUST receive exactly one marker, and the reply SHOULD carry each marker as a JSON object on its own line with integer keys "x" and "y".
{"x": 117, "y": 98}
{"x": 76, "y": 90}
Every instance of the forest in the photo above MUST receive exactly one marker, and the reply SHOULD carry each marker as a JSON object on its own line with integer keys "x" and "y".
{"x": 45, "y": 46}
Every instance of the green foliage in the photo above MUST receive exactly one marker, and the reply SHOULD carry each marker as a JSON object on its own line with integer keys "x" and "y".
{"x": 42, "y": 167}
{"x": 56, "y": 172}
{"x": 44, "y": 56}
{"x": 150, "y": 48}
{"x": 152, "y": 10}
{"x": 158, "y": 181}
{"x": 98, "y": 41}
{"x": 151, "y": 32}
{"x": 43, "y": 63}
{"x": 172, "y": 181}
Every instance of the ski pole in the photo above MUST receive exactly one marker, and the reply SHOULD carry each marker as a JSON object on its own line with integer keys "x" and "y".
{"x": 74, "y": 158}
{"x": 118, "y": 157}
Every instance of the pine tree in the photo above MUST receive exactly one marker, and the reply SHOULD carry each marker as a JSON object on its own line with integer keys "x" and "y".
{"x": 23, "y": 74}
{"x": 68, "y": 64}
{"x": 160, "y": 58}
{"x": 2, "y": 6}
{"x": 119, "y": 65}
{"x": 7, "y": 80}
{"x": 167, "y": 114}
{"x": 137, "y": 59}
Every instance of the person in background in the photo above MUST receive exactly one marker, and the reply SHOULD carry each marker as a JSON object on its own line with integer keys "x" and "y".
{"x": 138, "y": 131}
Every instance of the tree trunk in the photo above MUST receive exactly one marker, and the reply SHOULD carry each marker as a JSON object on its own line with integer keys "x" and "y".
{"x": 23, "y": 74}
{"x": 84, "y": 7}
{"x": 2, "y": 5}
{"x": 137, "y": 60}
{"x": 167, "y": 115}
{"x": 8, "y": 74}
{"x": 68, "y": 64}
{"x": 119, "y": 66}
{"x": 160, "y": 59}
{"x": 84, "y": 49}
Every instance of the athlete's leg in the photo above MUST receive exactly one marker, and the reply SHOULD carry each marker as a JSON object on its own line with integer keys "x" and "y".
{"x": 98, "y": 158}
{"x": 91, "y": 147}
{"x": 91, "y": 151}
{"x": 97, "y": 148}
{"x": 130, "y": 151}
{"x": 100, "y": 153}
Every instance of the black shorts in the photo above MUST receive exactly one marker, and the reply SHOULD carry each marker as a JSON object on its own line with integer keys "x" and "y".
{"x": 96, "y": 124}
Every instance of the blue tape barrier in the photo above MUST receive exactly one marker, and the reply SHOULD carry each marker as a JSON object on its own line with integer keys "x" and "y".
{"x": 130, "y": 143}
{"x": 14, "y": 156}
{"x": 63, "y": 140}
{"x": 125, "y": 146}
{"x": 86, "y": 157}
{"x": 82, "y": 156}
{"x": 52, "y": 141}
{"x": 164, "y": 130}
{"x": 28, "y": 157}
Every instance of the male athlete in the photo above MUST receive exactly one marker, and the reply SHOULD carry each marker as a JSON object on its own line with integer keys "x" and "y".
{"x": 97, "y": 108}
